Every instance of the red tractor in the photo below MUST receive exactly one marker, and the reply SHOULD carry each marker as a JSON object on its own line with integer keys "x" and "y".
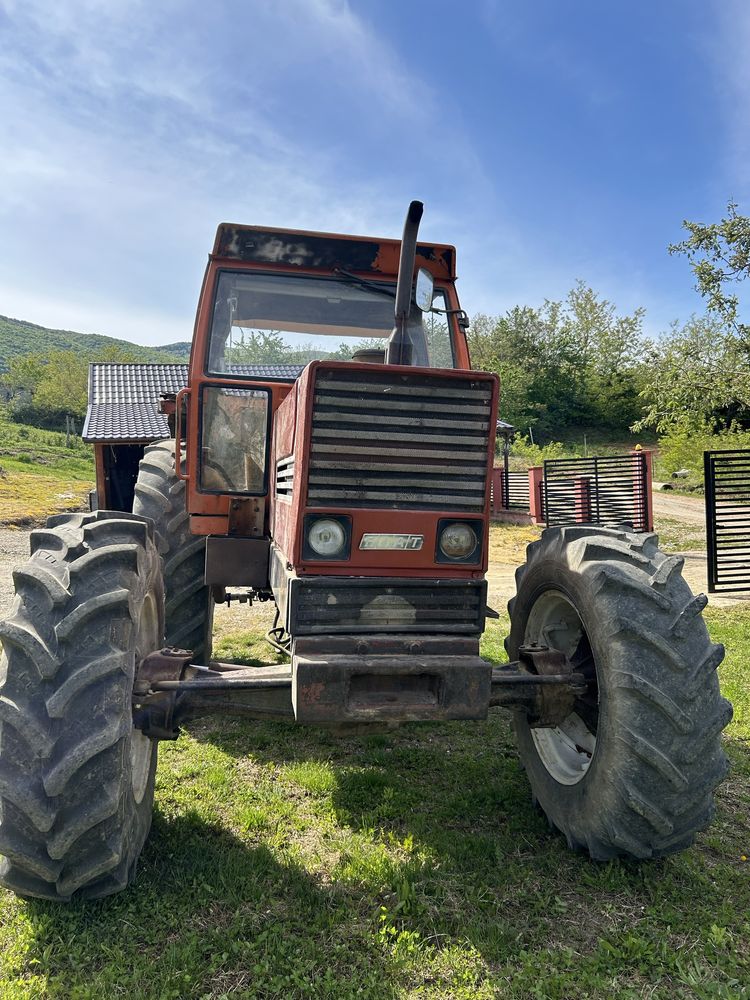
{"x": 331, "y": 453}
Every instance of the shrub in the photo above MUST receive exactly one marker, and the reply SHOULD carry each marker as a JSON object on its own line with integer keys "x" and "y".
{"x": 682, "y": 447}
{"x": 524, "y": 454}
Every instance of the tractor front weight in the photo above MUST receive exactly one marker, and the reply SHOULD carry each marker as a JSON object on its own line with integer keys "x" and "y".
{"x": 356, "y": 681}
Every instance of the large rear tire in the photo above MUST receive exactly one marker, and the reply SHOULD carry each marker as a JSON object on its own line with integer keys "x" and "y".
{"x": 631, "y": 771}
{"x": 76, "y": 778}
{"x": 160, "y": 495}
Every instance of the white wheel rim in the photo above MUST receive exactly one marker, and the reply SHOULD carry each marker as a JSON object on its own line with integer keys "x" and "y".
{"x": 141, "y": 747}
{"x": 568, "y": 749}
{"x": 141, "y": 750}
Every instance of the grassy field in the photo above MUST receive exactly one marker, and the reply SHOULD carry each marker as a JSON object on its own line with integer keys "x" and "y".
{"x": 41, "y": 475}
{"x": 289, "y": 863}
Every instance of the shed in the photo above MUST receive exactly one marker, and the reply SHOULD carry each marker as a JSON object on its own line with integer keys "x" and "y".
{"x": 123, "y": 416}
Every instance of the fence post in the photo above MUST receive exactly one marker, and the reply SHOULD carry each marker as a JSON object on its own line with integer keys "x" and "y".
{"x": 582, "y": 499}
{"x": 643, "y": 488}
{"x": 536, "y": 504}
{"x": 497, "y": 490}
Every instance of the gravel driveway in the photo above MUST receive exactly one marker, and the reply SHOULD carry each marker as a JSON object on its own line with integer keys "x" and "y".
{"x": 689, "y": 510}
{"x": 14, "y": 550}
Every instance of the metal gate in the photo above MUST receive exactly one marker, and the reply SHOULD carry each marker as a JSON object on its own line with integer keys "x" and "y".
{"x": 609, "y": 490}
{"x": 727, "y": 481}
{"x": 509, "y": 491}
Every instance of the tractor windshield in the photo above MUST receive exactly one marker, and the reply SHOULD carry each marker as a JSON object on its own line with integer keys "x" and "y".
{"x": 293, "y": 319}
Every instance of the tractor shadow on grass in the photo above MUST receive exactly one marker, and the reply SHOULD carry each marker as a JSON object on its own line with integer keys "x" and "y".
{"x": 209, "y": 915}
{"x": 447, "y": 838}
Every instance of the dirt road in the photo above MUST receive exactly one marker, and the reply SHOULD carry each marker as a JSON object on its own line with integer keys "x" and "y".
{"x": 14, "y": 549}
{"x": 690, "y": 510}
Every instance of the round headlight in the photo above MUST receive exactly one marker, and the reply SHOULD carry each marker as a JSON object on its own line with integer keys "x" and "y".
{"x": 326, "y": 537}
{"x": 457, "y": 541}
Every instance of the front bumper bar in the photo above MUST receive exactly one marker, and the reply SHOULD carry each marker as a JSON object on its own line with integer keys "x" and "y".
{"x": 350, "y": 680}
{"x": 383, "y": 678}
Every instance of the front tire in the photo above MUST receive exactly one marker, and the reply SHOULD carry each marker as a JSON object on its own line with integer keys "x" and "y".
{"x": 76, "y": 778}
{"x": 632, "y": 770}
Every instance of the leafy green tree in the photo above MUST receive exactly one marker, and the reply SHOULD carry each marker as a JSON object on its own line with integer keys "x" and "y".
{"x": 24, "y": 374}
{"x": 45, "y": 389}
{"x": 699, "y": 374}
{"x": 260, "y": 347}
{"x": 719, "y": 255}
{"x": 63, "y": 387}
{"x": 612, "y": 357}
{"x": 574, "y": 362}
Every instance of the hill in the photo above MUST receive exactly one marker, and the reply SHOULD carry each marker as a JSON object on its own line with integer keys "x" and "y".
{"x": 18, "y": 336}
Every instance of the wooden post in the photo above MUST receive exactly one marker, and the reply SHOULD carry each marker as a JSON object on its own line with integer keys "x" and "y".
{"x": 536, "y": 505}
{"x": 102, "y": 496}
{"x": 497, "y": 490}
{"x": 643, "y": 489}
{"x": 582, "y": 499}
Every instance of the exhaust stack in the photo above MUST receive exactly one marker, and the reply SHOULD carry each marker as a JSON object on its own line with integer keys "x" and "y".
{"x": 400, "y": 348}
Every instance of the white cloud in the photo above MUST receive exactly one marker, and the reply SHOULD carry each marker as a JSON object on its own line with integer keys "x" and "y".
{"x": 134, "y": 128}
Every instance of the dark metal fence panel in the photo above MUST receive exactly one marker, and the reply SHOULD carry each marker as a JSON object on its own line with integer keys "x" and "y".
{"x": 517, "y": 491}
{"x": 727, "y": 482}
{"x": 509, "y": 491}
{"x": 609, "y": 490}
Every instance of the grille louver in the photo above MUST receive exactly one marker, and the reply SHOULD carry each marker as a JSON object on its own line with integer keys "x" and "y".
{"x": 328, "y": 605}
{"x": 285, "y": 477}
{"x": 410, "y": 442}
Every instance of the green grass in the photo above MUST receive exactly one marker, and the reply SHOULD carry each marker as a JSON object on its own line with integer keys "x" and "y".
{"x": 285, "y": 862}
{"x": 679, "y": 536}
{"x": 40, "y": 474}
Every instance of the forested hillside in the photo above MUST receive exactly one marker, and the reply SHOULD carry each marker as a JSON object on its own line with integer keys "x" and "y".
{"x": 19, "y": 337}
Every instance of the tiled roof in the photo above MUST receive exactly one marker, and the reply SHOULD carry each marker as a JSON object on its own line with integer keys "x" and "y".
{"x": 282, "y": 373}
{"x": 125, "y": 422}
{"x": 124, "y": 398}
{"x": 134, "y": 383}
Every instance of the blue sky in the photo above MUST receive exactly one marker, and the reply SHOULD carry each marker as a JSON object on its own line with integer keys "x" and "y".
{"x": 550, "y": 140}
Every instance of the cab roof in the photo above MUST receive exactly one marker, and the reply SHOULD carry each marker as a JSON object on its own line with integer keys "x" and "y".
{"x": 326, "y": 251}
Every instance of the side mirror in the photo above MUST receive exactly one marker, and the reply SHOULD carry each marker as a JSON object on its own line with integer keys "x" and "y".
{"x": 424, "y": 290}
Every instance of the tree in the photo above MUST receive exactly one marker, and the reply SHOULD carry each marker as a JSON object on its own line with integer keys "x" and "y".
{"x": 570, "y": 363}
{"x": 612, "y": 354}
{"x": 45, "y": 389}
{"x": 697, "y": 376}
{"x": 25, "y": 372}
{"x": 260, "y": 347}
{"x": 700, "y": 373}
{"x": 719, "y": 254}
{"x": 64, "y": 385}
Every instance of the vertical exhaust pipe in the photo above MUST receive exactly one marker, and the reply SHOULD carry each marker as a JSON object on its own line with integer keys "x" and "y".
{"x": 399, "y": 349}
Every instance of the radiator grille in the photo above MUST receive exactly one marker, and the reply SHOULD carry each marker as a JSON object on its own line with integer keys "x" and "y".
{"x": 407, "y": 441}
{"x": 285, "y": 477}
{"x": 325, "y": 605}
